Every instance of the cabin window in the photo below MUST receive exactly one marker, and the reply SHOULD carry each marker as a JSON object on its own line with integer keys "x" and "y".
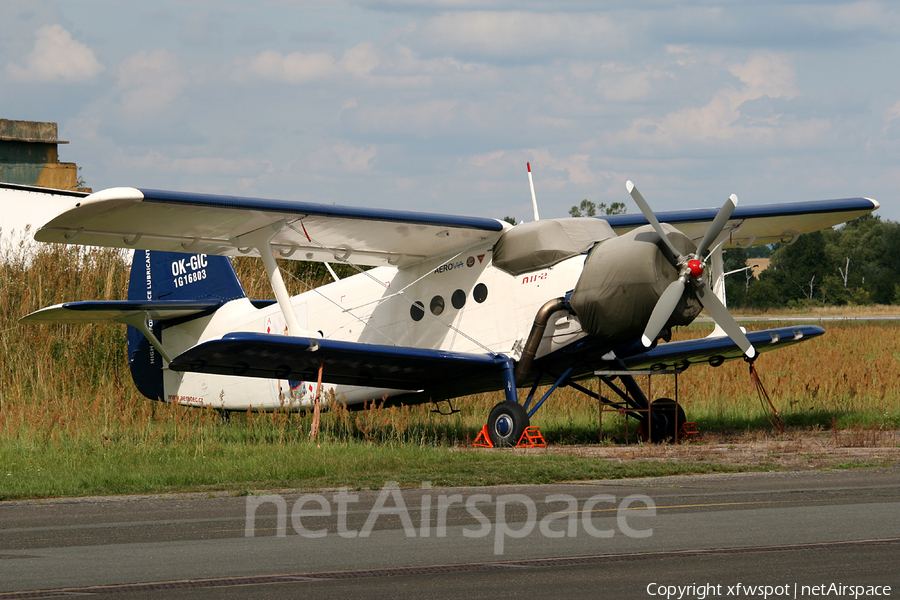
{"x": 437, "y": 305}
{"x": 458, "y": 299}
{"x": 480, "y": 293}
{"x": 417, "y": 311}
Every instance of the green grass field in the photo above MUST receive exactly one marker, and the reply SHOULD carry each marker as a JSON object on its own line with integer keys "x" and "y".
{"x": 71, "y": 422}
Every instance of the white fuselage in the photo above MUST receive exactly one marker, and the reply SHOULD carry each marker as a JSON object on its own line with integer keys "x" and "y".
{"x": 464, "y": 305}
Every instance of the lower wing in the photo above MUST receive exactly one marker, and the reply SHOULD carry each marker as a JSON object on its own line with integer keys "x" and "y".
{"x": 715, "y": 351}
{"x": 435, "y": 372}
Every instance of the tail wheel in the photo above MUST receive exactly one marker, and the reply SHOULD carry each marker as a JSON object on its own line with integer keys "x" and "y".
{"x": 668, "y": 417}
{"x": 506, "y": 423}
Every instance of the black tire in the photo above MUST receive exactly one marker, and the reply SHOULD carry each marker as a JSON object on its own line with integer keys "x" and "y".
{"x": 506, "y": 423}
{"x": 668, "y": 417}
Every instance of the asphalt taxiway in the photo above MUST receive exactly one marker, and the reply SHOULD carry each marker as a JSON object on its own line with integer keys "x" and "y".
{"x": 622, "y": 539}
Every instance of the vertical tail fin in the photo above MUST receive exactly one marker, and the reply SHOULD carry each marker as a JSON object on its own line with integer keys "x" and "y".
{"x": 177, "y": 276}
{"x": 161, "y": 276}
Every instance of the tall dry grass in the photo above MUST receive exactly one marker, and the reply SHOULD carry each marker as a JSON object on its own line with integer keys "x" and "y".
{"x": 55, "y": 379}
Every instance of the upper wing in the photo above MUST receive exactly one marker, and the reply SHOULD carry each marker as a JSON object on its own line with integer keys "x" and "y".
{"x": 211, "y": 224}
{"x": 757, "y": 225}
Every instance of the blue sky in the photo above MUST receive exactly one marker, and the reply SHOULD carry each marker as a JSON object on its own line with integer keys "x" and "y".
{"x": 437, "y": 106}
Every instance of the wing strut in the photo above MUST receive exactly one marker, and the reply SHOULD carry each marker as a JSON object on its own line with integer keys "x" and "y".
{"x": 260, "y": 239}
{"x": 141, "y": 322}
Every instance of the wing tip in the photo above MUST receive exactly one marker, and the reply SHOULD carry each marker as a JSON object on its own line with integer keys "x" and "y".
{"x": 116, "y": 193}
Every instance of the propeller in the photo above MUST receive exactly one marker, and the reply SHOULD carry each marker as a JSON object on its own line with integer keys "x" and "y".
{"x": 690, "y": 270}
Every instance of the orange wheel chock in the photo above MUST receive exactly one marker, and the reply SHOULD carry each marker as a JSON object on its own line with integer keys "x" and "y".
{"x": 483, "y": 440}
{"x": 531, "y": 438}
{"x": 689, "y": 431}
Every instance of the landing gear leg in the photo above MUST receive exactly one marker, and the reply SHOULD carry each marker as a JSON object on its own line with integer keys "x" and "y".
{"x": 506, "y": 423}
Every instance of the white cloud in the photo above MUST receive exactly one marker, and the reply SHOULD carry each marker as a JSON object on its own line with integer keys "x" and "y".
{"x": 294, "y": 68}
{"x": 361, "y": 59}
{"x": 763, "y": 75}
{"x": 56, "y": 57}
{"x": 517, "y": 34}
{"x": 620, "y": 83}
{"x": 159, "y": 164}
{"x": 421, "y": 120}
{"x": 394, "y": 67}
{"x": 341, "y": 158}
{"x": 151, "y": 81}
{"x": 404, "y": 68}
{"x": 554, "y": 172}
{"x": 575, "y": 168}
{"x": 850, "y": 16}
{"x": 891, "y": 113}
{"x": 767, "y": 74}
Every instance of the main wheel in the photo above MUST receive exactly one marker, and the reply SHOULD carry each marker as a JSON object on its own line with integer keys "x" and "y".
{"x": 668, "y": 417}
{"x": 506, "y": 423}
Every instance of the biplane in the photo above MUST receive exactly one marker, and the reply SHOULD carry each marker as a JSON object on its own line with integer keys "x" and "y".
{"x": 451, "y": 306}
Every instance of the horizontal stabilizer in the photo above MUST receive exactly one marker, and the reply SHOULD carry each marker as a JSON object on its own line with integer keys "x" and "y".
{"x": 346, "y": 363}
{"x": 118, "y": 311}
{"x": 715, "y": 351}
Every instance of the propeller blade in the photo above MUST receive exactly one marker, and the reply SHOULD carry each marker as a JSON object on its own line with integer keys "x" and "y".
{"x": 664, "y": 308}
{"x": 723, "y": 319}
{"x": 648, "y": 213}
{"x": 717, "y": 225}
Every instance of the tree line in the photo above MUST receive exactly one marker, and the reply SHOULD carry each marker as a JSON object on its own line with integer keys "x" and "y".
{"x": 858, "y": 263}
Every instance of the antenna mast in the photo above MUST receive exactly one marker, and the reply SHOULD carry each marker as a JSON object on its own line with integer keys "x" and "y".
{"x": 533, "y": 199}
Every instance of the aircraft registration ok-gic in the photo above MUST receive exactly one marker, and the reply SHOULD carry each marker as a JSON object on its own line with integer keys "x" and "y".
{"x": 455, "y": 305}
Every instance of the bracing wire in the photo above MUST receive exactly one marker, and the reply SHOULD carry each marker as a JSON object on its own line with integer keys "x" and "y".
{"x": 387, "y": 287}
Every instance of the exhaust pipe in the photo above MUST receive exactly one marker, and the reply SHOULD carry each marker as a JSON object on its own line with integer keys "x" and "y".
{"x": 537, "y": 333}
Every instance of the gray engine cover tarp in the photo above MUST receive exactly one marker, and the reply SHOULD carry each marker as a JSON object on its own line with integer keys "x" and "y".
{"x": 541, "y": 244}
{"x": 622, "y": 280}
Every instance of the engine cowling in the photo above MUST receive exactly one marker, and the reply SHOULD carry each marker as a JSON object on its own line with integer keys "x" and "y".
{"x": 622, "y": 281}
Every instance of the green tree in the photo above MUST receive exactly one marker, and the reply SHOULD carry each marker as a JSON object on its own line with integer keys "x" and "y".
{"x": 585, "y": 209}
{"x": 858, "y": 263}
{"x": 588, "y": 208}
{"x": 735, "y": 258}
{"x": 800, "y": 268}
{"x": 736, "y": 284}
{"x": 760, "y": 251}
